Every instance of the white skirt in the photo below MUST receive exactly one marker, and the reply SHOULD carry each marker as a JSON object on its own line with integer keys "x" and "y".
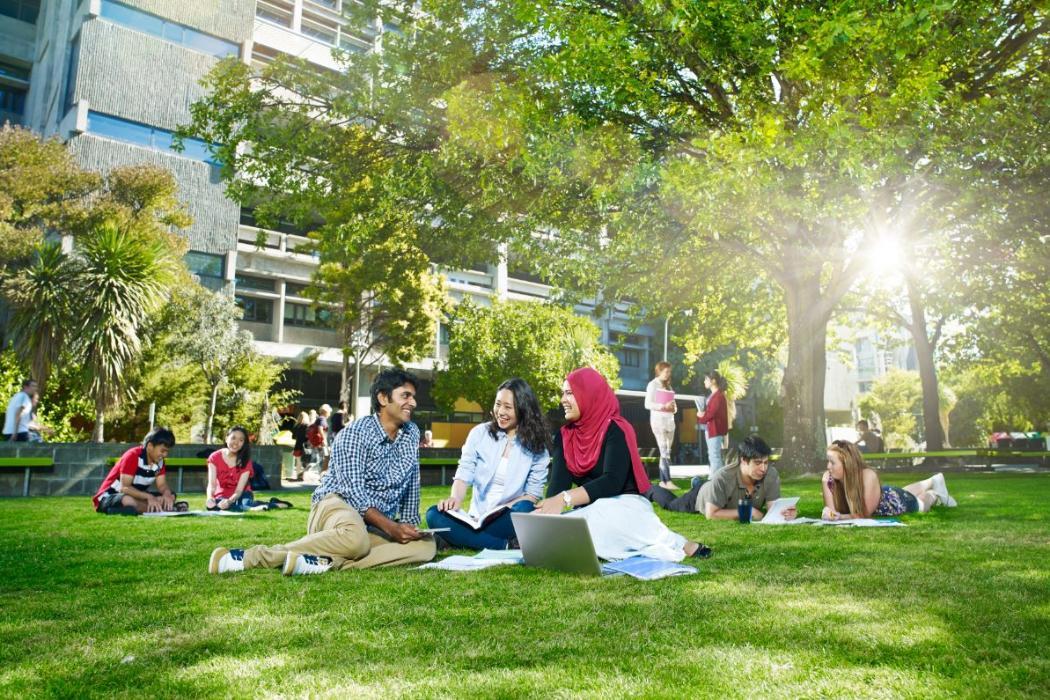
{"x": 624, "y": 526}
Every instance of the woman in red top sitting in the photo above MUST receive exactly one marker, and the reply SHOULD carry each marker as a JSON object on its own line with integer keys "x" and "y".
{"x": 230, "y": 474}
{"x": 716, "y": 418}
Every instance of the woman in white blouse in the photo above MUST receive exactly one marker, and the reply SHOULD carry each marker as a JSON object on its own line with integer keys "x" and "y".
{"x": 661, "y": 418}
{"x": 505, "y": 461}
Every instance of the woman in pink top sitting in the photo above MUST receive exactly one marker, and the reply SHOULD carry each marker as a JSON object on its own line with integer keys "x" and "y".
{"x": 230, "y": 474}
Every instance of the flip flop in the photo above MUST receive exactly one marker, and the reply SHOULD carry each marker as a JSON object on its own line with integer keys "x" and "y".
{"x": 181, "y": 506}
{"x": 279, "y": 504}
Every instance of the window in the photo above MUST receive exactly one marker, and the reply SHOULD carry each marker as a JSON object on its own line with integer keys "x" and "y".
{"x": 145, "y": 135}
{"x": 294, "y": 289}
{"x": 261, "y": 284}
{"x": 277, "y": 11}
{"x": 174, "y": 32}
{"x": 318, "y": 28}
{"x": 306, "y": 316}
{"x": 12, "y": 104}
{"x": 255, "y": 310}
{"x": 25, "y": 10}
{"x": 208, "y": 267}
{"x": 71, "y": 71}
{"x": 630, "y": 358}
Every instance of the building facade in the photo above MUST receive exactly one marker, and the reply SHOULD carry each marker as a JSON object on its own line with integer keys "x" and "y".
{"x": 114, "y": 79}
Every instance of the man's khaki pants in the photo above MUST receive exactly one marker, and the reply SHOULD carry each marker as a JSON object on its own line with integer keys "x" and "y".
{"x": 336, "y": 530}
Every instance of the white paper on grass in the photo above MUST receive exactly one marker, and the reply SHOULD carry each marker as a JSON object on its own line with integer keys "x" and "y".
{"x": 188, "y": 513}
{"x": 775, "y": 514}
{"x": 459, "y": 562}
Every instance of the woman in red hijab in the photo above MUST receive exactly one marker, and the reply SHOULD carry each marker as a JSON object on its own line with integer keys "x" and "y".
{"x": 597, "y": 451}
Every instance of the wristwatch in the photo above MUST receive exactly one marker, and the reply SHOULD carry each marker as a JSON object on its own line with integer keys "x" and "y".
{"x": 567, "y": 498}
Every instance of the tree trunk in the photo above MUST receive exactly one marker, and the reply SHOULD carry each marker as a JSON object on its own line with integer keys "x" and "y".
{"x": 924, "y": 347}
{"x": 803, "y": 388}
{"x": 357, "y": 388}
{"x": 100, "y": 419}
{"x": 211, "y": 413}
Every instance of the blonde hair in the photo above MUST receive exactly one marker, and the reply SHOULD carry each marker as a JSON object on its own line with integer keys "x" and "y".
{"x": 660, "y": 367}
{"x": 848, "y": 494}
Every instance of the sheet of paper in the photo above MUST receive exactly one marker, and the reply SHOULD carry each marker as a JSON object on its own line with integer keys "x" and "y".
{"x": 648, "y": 569}
{"x": 459, "y": 562}
{"x": 511, "y": 555}
{"x": 775, "y": 514}
{"x": 863, "y": 522}
{"x": 190, "y": 513}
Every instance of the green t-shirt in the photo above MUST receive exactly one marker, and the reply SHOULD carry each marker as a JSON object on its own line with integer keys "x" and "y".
{"x": 727, "y": 488}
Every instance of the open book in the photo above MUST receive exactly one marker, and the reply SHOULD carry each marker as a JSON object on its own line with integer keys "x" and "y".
{"x": 480, "y": 522}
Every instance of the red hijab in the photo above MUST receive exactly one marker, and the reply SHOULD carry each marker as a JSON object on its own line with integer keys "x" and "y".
{"x": 582, "y": 439}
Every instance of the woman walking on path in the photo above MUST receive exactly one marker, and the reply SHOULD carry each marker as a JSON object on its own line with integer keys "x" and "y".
{"x": 661, "y": 417}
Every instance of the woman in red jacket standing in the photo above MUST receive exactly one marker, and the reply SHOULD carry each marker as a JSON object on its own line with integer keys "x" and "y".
{"x": 715, "y": 418}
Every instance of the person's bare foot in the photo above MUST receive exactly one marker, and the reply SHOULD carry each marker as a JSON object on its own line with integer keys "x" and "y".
{"x": 669, "y": 485}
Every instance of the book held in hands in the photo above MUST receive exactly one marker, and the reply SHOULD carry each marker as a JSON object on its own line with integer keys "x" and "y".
{"x": 479, "y": 522}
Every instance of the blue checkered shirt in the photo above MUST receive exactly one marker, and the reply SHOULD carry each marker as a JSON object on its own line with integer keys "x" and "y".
{"x": 368, "y": 470}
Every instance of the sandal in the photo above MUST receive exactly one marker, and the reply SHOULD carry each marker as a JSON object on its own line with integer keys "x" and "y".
{"x": 702, "y": 551}
{"x": 181, "y": 506}
{"x": 278, "y": 504}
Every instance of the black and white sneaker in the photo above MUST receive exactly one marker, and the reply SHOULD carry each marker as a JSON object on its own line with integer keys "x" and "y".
{"x": 224, "y": 561}
{"x": 305, "y": 564}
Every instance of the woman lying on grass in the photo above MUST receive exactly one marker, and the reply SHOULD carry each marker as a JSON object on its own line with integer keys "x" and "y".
{"x": 597, "y": 450}
{"x": 852, "y": 489}
{"x": 505, "y": 461}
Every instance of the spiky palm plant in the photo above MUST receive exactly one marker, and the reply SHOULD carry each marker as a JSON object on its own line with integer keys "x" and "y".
{"x": 125, "y": 277}
{"x": 42, "y": 300}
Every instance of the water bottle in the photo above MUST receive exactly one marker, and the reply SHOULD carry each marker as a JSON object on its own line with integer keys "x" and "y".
{"x": 743, "y": 510}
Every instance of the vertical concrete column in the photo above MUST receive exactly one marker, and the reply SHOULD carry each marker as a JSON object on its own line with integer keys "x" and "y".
{"x": 278, "y": 313}
{"x": 499, "y": 273}
{"x": 297, "y": 16}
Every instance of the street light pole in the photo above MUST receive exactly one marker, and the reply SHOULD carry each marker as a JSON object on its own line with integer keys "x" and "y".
{"x": 667, "y": 321}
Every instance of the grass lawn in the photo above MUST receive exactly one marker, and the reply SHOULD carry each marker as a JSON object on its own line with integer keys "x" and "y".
{"x": 955, "y": 605}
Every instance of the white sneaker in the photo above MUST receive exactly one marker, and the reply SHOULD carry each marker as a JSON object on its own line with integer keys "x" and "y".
{"x": 224, "y": 561}
{"x": 304, "y": 564}
{"x": 941, "y": 489}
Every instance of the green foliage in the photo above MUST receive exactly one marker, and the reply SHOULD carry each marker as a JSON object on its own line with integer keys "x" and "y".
{"x": 63, "y": 407}
{"x": 541, "y": 343}
{"x": 895, "y": 400}
{"x": 41, "y": 188}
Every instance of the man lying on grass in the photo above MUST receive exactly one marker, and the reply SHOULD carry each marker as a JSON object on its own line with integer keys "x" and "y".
{"x": 717, "y": 499}
{"x": 366, "y": 508}
{"x": 137, "y": 483}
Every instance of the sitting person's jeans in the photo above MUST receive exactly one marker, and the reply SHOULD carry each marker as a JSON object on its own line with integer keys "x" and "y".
{"x": 686, "y": 503}
{"x": 246, "y": 501}
{"x": 495, "y": 535}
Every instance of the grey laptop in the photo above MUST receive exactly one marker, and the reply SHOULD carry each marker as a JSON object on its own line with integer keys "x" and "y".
{"x": 557, "y": 542}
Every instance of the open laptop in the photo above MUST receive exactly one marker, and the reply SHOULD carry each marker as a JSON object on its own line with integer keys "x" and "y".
{"x": 557, "y": 542}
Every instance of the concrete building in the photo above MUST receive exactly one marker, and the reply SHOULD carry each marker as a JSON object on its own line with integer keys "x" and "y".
{"x": 115, "y": 78}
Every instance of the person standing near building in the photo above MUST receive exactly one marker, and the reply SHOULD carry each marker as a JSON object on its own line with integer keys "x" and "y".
{"x": 340, "y": 419}
{"x": 20, "y": 413}
{"x": 716, "y": 418}
{"x": 659, "y": 399}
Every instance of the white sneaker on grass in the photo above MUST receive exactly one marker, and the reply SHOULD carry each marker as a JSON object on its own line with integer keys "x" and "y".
{"x": 224, "y": 561}
{"x": 941, "y": 489}
{"x": 304, "y": 564}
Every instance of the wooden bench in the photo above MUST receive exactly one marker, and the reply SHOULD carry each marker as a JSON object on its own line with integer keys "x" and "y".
{"x": 196, "y": 464}
{"x": 989, "y": 455}
{"x": 29, "y": 464}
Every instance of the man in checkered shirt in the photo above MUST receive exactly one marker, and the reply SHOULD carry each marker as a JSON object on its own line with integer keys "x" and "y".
{"x": 365, "y": 511}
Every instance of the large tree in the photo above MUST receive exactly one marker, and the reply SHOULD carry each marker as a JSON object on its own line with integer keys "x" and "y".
{"x": 777, "y": 136}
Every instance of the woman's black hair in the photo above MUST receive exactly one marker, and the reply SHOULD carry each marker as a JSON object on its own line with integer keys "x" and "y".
{"x": 159, "y": 436}
{"x": 244, "y": 455}
{"x": 533, "y": 432}
{"x": 717, "y": 378}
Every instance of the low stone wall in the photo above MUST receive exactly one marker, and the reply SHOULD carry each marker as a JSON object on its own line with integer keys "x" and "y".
{"x": 80, "y": 467}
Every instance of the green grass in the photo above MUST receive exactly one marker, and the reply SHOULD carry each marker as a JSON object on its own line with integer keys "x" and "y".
{"x": 955, "y": 605}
